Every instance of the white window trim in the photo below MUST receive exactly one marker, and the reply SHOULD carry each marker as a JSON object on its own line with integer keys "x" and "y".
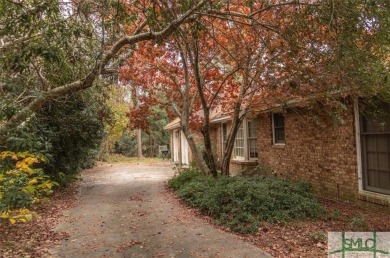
{"x": 273, "y": 131}
{"x": 241, "y": 158}
{"x": 358, "y": 146}
{"x": 245, "y": 138}
{"x": 359, "y": 157}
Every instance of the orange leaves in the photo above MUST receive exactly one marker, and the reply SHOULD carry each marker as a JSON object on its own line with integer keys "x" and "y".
{"x": 250, "y": 45}
{"x": 138, "y": 116}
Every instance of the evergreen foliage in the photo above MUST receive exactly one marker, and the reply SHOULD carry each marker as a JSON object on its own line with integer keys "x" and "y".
{"x": 242, "y": 203}
{"x": 68, "y": 132}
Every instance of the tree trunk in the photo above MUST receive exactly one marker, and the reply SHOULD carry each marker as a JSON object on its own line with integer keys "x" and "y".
{"x": 151, "y": 146}
{"x": 238, "y": 117}
{"x": 207, "y": 143}
{"x": 236, "y": 123}
{"x": 134, "y": 98}
{"x": 196, "y": 155}
{"x": 88, "y": 81}
{"x": 227, "y": 154}
{"x": 206, "y": 108}
{"x": 139, "y": 143}
{"x": 185, "y": 117}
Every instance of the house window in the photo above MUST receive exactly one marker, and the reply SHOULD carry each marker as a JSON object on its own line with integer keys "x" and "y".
{"x": 245, "y": 147}
{"x": 239, "y": 144}
{"x": 278, "y": 128}
{"x": 252, "y": 139}
{"x": 224, "y": 136}
{"x": 375, "y": 142}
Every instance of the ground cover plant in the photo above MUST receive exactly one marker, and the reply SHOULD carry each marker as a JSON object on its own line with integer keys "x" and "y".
{"x": 21, "y": 185}
{"x": 36, "y": 237}
{"x": 243, "y": 203}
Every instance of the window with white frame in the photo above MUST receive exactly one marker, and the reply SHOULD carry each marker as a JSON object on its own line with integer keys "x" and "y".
{"x": 252, "y": 139}
{"x": 278, "y": 133}
{"x": 375, "y": 147}
{"x": 245, "y": 147}
{"x": 239, "y": 144}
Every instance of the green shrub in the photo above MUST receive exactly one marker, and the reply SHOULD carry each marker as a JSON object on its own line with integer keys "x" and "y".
{"x": 181, "y": 179}
{"x": 126, "y": 145}
{"x": 242, "y": 203}
{"x": 359, "y": 223}
{"x": 74, "y": 131}
{"x": 67, "y": 131}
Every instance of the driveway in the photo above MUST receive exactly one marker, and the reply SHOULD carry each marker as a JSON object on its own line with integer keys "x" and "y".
{"x": 123, "y": 210}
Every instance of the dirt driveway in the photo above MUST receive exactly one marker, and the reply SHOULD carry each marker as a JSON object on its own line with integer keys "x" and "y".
{"x": 123, "y": 210}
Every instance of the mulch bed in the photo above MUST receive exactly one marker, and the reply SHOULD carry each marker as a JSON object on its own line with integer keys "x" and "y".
{"x": 33, "y": 239}
{"x": 307, "y": 238}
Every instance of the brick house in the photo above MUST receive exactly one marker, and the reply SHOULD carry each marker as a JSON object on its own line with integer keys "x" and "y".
{"x": 348, "y": 161}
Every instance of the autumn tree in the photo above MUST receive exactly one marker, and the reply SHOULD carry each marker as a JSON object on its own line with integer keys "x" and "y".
{"x": 316, "y": 51}
{"x": 51, "y": 48}
{"x": 164, "y": 76}
{"x": 116, "y": 123}
{"x": 223, "y": 60}
{"x": 244, "y": 45}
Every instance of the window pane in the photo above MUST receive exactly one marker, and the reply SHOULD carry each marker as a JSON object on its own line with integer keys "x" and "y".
{"x": 279, "y": 135}
{"x": 278, "y": 120}
{"x": 278, "y": 127}
{"x": 252, "y": 130}
{"x": 375, "y": 135}
{"x": 252, "y": 139}
{"x": 239, "y": 143}
{"x": 252, "y": 148}
{"x": 376, "y": 118}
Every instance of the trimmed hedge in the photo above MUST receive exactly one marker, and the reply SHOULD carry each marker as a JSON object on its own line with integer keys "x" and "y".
{"x": 242, "y": 203}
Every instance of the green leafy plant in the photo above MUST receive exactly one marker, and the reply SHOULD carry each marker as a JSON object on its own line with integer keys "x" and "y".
{"x": 359, "y": 223}
{"x": 242, "y": 203}
{"x": 21, "y": 185}
{"x": 318, "y": 236}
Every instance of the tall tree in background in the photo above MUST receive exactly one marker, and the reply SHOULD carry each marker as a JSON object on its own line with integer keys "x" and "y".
{"x": 117, "y": 99}
{"x": 164, "y": 75}
{"x": 135, "y": 100}
{"x": 52, "y": 48}
{"x": 275, "y": 52}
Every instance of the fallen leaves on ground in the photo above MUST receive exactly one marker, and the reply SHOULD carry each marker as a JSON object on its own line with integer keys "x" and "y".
{"x": 33, "y": 239}
{"x": 298, "y": 239}
{"x": 305, "y": 238}
{"x": 127, "y": 245}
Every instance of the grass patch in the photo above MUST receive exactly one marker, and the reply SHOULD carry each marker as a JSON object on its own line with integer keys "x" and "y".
{"x": 242, "y": 203}
{"x": 117, "y": 158}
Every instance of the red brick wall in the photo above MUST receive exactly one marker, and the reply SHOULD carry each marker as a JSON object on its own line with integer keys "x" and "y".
{"x": 323, "y": 155}
{"x": 216, "y": 145}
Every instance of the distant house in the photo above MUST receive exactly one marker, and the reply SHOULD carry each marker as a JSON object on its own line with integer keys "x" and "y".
{"x": 348, "y": 161}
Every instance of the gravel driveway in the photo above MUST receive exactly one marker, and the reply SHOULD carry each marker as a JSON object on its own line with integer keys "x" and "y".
{"x": 123, "y": 210}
